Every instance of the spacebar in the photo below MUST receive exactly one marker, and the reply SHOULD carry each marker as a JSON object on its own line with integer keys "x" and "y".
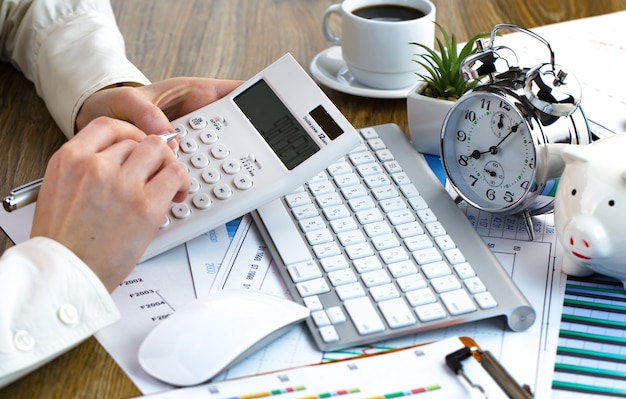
{"x": 285, "y": 235}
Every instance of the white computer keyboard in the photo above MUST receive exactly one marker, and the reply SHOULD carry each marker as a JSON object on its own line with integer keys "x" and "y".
{"x": 376, "y": 248}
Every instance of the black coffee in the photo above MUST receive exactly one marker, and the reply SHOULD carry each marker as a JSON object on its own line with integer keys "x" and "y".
{"x": 388, "y": 12}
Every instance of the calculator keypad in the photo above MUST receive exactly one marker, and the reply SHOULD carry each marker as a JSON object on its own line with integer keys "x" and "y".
{"x": 215, "y": 175}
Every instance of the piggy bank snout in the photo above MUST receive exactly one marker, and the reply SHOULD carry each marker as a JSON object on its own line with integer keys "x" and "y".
{"x": 586, "y": 238}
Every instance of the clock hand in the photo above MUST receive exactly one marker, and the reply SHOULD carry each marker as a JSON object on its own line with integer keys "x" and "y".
{"x": 494, "y": 148}
{"x": 500, "y": 122}
{"x": 492, "y": 173}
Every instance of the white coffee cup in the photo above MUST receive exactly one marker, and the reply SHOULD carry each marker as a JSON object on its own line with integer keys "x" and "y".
{"x": 377, "y": 51}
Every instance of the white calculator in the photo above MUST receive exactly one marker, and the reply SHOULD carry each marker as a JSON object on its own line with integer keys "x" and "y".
{"x": 260, "y": 142}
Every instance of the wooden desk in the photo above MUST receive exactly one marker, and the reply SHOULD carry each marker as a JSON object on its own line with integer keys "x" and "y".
{"x": 221, "y": 39}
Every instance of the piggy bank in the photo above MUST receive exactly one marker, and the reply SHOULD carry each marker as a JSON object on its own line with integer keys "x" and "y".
{"x": 590, "y": 208}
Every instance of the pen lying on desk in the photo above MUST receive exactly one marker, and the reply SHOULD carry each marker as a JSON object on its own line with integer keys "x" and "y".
{"x": 27, "y": 194}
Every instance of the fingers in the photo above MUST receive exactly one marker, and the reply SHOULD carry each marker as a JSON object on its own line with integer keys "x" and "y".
{"x": 151, "y": 107}
{"x": 153, "y": 164}
{"x": 139, "y": 157}
{"x": 180, "y": 96}
{"x": 102, "y": 132}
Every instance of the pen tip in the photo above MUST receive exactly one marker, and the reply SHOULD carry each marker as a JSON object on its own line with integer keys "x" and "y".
{"x": 168, "y": 136}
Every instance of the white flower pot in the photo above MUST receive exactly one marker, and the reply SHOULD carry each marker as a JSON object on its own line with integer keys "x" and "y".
{"x": 426, "y": 116}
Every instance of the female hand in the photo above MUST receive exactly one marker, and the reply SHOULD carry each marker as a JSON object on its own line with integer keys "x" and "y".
{"x": 105, "y": 194}
{"x": 151, "y": 107}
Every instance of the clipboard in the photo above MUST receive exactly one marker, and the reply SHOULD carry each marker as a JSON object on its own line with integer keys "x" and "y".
{"x": 491, "y": 365}
{"x": 416, "y": 372}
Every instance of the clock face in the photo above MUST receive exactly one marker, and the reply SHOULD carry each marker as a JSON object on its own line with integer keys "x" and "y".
{"x": 488, "y": 152}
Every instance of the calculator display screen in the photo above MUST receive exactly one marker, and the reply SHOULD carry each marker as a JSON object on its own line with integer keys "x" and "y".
{"x": 280, "y": 129}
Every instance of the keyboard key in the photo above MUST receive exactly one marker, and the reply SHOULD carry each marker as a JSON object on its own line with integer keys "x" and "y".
{"x": 336, "y": 262}
{"x": 375, "y": 277}
{"x": 427, "y": 255}
{"x": 341, "y": 277}
{"x": 312, "y": 287}
{"x": 366, "y": 264}
{"x": 360, "y": 250}
{"x": 421, "y": 297}
{"x": 474, "y": 285}
{"x": 400, "y": 269}
{"x": 436, "y": 269}
{"x": 313, "y": 303}
{"x": 304, "y": 271}
{"x": 454, "y": 256}
{"x": 311, "y": 224}
{"x": 336, "y": 315}
{"x": 384, "y": 292}
{"x": 364, "y": 316}
{"x": 320, "y": 318}
{"x": 397, "y": 313}
{"x": 485, "y": 300}
{"x": 464, "y": 270}
{"x": 430, "y": 312}
{"x": 445, "y": 283}
{"x": 329, "y": 334}
{"x": 458, "y": 302}
{"x": 350, "y": 291}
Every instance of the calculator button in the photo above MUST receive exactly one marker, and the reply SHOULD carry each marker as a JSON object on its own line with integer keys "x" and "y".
{"x": 166, "y": 222}
{"x": 208, "y": 137}
{"x": 243, "y": 182}
{"x": 194, "y": 186}
{"x": 201, "y": 201}
{"x": 180, "y": 129}
{"x": 222, "y": 191}
{"x": 198, "y": 122}
{"x": 181, "y": 211}
{"x": 220, "y": 151}
{"x": 200, "y": 161}
{"x": 188, "y": 145}
{"x": 231, "y": 166}
{"x": 211, "y": 175}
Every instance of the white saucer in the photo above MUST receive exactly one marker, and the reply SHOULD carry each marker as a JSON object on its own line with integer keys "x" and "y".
{"x": 329, "y": 69}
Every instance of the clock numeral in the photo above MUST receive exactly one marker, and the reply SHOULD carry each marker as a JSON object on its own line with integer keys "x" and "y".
{"x": 475, "y": 180}
{"x": 491, "y": 195}
{"x": 505, "y": 106}
{"x": 461, "y": 136}
{"x": 463, "y": 160}
{"x": 485, "y": 104}
{"x": 470, "y": 115}
{"x": 524, "y": 184}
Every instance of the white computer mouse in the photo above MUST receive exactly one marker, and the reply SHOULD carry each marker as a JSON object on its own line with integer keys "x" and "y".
{"x": 207, "y": 336}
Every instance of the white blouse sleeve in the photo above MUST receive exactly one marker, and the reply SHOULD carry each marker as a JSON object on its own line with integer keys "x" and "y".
{"x": 51, "y": 301}
{"x": 69, "y": 49}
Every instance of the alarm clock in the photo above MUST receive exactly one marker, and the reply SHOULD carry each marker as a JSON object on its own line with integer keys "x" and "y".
{"x": 500, "y": 141}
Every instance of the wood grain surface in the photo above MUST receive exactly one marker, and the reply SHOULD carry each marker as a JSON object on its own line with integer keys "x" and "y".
{"x": 230, "y": 39}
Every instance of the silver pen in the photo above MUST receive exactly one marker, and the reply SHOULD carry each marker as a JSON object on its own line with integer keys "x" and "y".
{"x": 27, "y": 193}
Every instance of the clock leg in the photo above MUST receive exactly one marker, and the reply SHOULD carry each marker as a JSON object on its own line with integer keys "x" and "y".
{"x": 528, "y": 221}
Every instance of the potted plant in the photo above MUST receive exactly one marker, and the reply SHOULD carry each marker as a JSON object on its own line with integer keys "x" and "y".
{"x": 439, "y": 86}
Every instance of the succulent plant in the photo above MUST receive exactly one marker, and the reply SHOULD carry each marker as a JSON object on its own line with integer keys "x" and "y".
{"x": 442, "y": 76}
